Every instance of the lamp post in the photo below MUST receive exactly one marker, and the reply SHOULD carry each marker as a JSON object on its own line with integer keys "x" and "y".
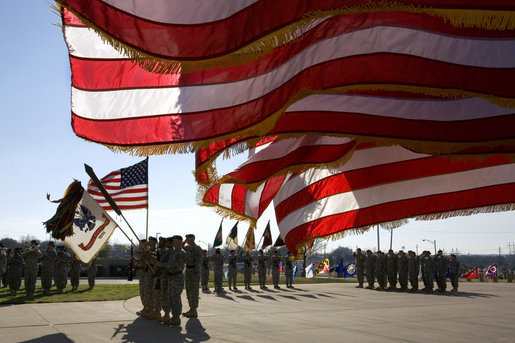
{"x": 157, "y": 235}
{"x": 430, "y": 241}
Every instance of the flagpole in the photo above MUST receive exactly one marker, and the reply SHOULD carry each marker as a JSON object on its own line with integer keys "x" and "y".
{"x": 148, "y": 200}
{"x": 132, "y": 243}
{"x": 106, "y": 195}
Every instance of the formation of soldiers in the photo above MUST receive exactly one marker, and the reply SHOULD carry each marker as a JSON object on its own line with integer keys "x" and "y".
{"x": 168, "y": 267}
{"x": 55, "y": 266}
{"x": 392, "y": 268}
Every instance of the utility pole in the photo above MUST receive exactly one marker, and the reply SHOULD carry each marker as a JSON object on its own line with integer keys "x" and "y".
{"x": 499, "y": 265}
{"x": 391, "y": 238}
{"x": 378, "y": 247}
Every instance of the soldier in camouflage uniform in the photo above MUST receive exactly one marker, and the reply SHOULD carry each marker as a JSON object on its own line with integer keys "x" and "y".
{"x": 413, "y": 270}
{"x": 75, "y": 272}
{"x": 204, "y": 271}
{"x": 428, "y": 271}
{"x": 275, "y": 261}
{"x": 370, "y": 263}
{"x": 391, "y": 269}
{"x": 359, "y": 263}
{"x": 380, "y": 271}
{"x": 454, "y": 272}
{"x": 261, "y": 267}
{"x": 441, "y": 264}
{"x": 192, "y": 274}
{"x": 31, "y": 258}
{"x": 143, "y": 273}
{"x": 164, "y": 256}
{"x": 247, "y": 269}
{"x": 175, "y": 267}
{"x": 48, "y": 258}
{"x": 14, "y": 270}
{"x": 3, "y": 263}
{"x": 402, "y": 265}
{"x": 218, "y": 269}
{"x": 62, "y": 264}
{"x": 288, "y": 270}
{"x": 154, "y": 284}
{"x": 233, "y": 270}
{"x": 92, "y": 272}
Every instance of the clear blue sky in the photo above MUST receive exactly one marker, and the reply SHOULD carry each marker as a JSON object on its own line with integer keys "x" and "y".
{"x": 40, "y": 154}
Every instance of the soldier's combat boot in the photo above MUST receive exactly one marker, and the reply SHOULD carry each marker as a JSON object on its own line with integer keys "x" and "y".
{"x": 175, "y": 320}
{"x": 192, "y": 313}
{"x": 165, "y": 318}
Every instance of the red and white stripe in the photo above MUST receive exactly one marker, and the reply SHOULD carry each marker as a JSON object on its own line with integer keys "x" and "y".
{"x": 239, "y": 200}
{"x": 188, "y": 26}
{"x": 386, "y": 184}
{"x": 110, "y": 94}
{"x": 130, "y": 198}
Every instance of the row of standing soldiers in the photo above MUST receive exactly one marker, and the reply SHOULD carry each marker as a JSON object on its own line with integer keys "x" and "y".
{"x": 55, "y": 267}
{"x": 248, "y": 266}
{"x": 390, "y": 268}
{"x": 164, "y": 269}
{"x": 163, "y": 272}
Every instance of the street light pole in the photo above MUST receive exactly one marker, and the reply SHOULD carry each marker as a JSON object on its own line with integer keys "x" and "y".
{"x": 157, "y": 235}
{"x": 433, "y": 242}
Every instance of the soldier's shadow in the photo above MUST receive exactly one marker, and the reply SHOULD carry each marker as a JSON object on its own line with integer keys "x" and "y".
{"x": 144, "y": 330}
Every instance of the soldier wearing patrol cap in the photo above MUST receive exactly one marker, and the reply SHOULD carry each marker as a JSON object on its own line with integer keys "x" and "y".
{"x": 175, "y": 267}
{"x": 218, "y": 269}
{"x": 233, "y": 270}
{"x": 192, "y": 274}
{"x": 275, "y": 261}
{"x": 204, "y": 271}
{"x": 261, "y": 267}
{"x": 31, "y": 258}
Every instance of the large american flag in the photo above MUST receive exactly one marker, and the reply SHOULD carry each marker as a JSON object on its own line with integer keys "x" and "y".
{"x": 127, "y": 186}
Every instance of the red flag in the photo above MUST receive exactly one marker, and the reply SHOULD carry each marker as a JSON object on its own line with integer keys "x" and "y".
{"x": 471, "y": 274}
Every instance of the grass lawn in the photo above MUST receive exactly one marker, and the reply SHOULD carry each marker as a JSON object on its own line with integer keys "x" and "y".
{"x": 105, "y": 292}
{"x": 98, "y": 293}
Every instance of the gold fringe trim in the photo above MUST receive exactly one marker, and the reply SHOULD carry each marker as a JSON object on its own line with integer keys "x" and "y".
{"x": 398, "y": 223}
{"x": 485, "y": 19}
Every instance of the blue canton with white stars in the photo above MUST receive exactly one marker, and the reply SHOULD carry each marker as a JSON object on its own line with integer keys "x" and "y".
{"x": 134, "y": 175}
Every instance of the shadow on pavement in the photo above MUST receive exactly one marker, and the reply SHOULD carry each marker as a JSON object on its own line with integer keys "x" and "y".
{"x": 246, "y": 297}
{"x": 269, "y": 297}
{"x": 144, "y": 330}
{"x": 54, "y": 338}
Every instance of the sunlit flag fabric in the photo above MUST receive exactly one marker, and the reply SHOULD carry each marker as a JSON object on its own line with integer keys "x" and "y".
{"x": 472, "y": 274}
{"x": 250, "y": 241}
{"x": 491, "y": 270}
{"x": 81, "y": 223}
{"x": 92, "y": 228}
{"x": 386, "y": 185}
{"x": 127, "y": 186}
{"x": 232, "y": 238}
{"x": 467, "y": 53}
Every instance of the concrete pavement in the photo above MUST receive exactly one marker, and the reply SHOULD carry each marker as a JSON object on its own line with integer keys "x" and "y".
{"x": 481, "y": 312}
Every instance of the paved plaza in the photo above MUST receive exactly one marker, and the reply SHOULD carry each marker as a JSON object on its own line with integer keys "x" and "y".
{"x": 481, "y": 312}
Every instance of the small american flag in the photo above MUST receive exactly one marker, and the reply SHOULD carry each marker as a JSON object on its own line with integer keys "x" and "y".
{"x": 127, "y": 186}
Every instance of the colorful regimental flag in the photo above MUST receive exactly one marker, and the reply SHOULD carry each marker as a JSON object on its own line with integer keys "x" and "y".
{"x": 349, "y": 270}
{"x": 472, "y": 274}
{"x": 92, "y": 228}
{"x": 250, "y": 241}
{"x": 232, "y": 238}
{"x": 267, "y": 237}
{"x": 491, "y": 270}
{"x": 128, "y": 187}
{"x": 218, "y": 238}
